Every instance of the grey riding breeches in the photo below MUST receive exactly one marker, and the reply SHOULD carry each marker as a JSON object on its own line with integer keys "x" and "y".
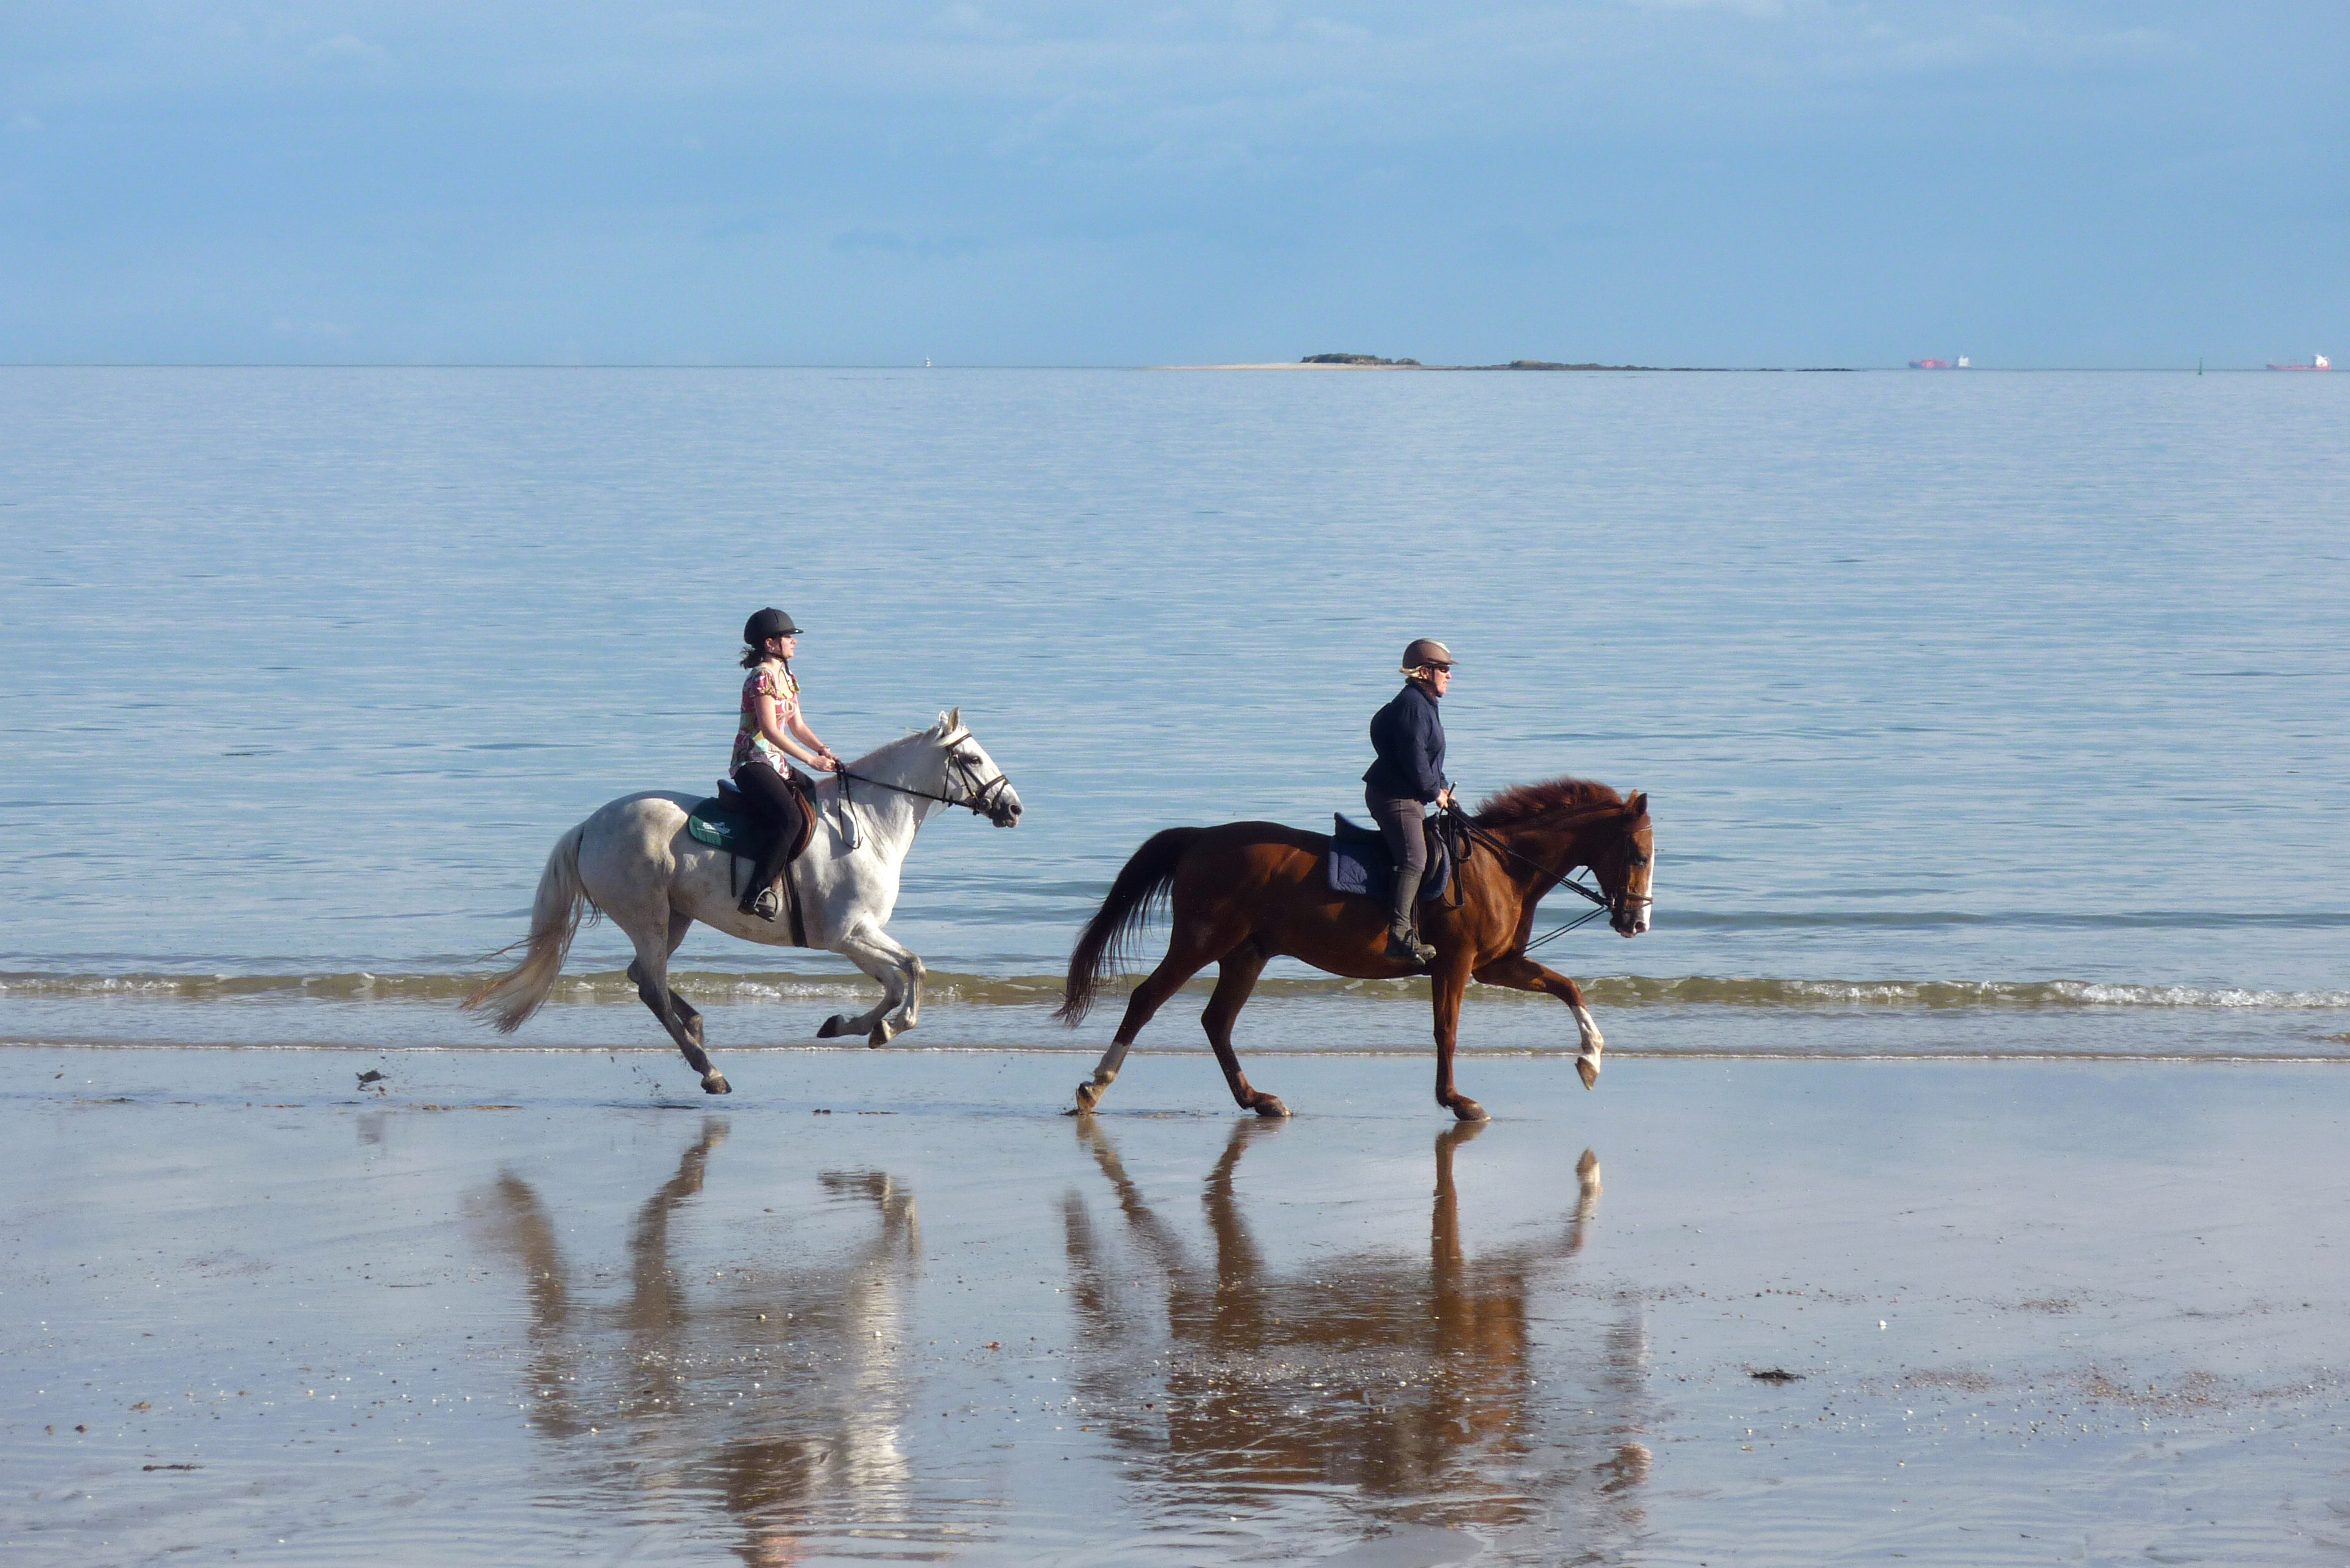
{"x": 1403, "y": 823}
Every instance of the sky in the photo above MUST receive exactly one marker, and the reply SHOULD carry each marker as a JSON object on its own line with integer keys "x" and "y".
{"x": 1722, "y": 183}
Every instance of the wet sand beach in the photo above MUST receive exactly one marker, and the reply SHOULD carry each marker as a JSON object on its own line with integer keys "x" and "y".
{"x": 536, "y": 1306}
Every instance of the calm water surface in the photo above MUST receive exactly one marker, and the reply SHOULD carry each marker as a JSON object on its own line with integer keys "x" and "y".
{"x": 1979, "y": 713}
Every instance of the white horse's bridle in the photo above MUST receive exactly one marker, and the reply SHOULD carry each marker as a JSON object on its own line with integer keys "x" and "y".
{"x": 980, "y": 797}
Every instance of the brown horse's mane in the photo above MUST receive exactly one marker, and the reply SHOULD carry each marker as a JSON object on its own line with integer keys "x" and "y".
{"x": 1524, "y": 803}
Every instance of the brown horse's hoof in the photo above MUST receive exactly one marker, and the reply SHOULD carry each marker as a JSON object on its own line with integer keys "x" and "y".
{"x": 1088, "y": 1097}
{"x": 836, "y": 1025}
{"x": 1470, "y": 1111}
{"x": 1270, "y": 1106}
{"x": 883, "y": 1034}
{"x": 1588, "y": 1073}
{"x": 714, "y": 1083}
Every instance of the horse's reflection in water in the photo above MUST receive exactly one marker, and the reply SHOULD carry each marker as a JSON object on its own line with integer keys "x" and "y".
{"x": 795, "y": 1420}
{"x": 1404, "y": 1390}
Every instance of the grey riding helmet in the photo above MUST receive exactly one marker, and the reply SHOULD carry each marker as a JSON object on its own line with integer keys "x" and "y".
{"x": 767, "y": 623}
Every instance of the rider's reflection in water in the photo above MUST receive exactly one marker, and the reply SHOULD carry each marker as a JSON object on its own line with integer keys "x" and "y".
{"x": 795, "y": 1420}
{"x": 1404, "y": 1389}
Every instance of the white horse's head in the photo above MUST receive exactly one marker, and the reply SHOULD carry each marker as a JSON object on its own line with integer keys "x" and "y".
{"x": 972, "y": 779}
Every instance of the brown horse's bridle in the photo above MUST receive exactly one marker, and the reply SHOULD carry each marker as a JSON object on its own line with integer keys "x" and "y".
{"x": 1618, "y": 909}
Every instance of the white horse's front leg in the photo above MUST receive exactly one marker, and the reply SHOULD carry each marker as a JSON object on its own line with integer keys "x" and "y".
{"x": 899, "y": 973}
{"x": 910, "y": 974}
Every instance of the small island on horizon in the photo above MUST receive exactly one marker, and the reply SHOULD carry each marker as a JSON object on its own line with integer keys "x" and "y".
{"x": 1373, "y": 362}
{"x": 1376, "y": 362}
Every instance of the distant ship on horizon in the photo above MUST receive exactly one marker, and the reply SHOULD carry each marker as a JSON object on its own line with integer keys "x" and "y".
{"x": 2317, "y": 362}
{"x": 1958, "y": 364}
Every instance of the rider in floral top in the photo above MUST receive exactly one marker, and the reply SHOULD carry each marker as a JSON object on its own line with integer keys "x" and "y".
{"x": 771, "y": 735}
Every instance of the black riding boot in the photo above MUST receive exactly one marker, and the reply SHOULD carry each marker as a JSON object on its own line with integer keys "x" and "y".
{"x": 1404, "y": 945}
{"x": 769, "y": 795}
{"x": 763, "y": 897}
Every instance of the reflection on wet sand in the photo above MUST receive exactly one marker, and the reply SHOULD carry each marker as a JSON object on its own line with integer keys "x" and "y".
{"x": 783, "y": 1392}
{"x": 1401, "y": 1390}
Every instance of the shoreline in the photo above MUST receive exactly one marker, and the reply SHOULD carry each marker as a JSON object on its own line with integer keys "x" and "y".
{"x": 1640, "y": 1019}
{"x": 1185, "y": 1048}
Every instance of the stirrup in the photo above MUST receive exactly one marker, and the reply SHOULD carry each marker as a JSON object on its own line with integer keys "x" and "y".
{"x": 766, "y": 906}
{"x": 1404, "y": 946}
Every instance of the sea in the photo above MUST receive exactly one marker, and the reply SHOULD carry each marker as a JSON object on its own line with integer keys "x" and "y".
{"x": 1988, "y": 715}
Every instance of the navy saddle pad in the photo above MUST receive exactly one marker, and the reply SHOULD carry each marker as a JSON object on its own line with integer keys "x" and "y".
{"x": 1360, "y": 864}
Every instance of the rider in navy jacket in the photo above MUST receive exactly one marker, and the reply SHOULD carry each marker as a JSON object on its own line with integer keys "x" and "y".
{"x": 1408, "y": 776}
{"x": 1409, "y": 737}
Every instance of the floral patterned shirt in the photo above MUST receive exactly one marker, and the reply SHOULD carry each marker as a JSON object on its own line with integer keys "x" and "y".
{"x": 767, "y": 679}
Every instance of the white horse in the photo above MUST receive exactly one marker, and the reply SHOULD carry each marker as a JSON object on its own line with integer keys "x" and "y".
{"x": 634, "y": 861}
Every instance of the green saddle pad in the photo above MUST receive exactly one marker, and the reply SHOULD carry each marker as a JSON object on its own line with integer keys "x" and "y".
{"x": 714, "y": 824}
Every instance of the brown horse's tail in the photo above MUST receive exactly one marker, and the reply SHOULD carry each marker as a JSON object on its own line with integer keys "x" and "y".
{"x": 1141, "y": 885}
{"x": 514, "y": 994}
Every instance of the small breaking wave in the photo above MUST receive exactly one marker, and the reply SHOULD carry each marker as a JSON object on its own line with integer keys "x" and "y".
{"x": 1704, "y": 991}
{"x": 709, "y": 988}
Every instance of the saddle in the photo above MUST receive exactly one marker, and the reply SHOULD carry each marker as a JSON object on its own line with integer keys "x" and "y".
{"x": 728, "y": 821}
{"x": 1360, "y": 864}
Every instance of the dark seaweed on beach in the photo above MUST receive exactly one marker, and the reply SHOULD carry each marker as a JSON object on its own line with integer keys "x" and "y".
{"x": 1776, "y": 1374}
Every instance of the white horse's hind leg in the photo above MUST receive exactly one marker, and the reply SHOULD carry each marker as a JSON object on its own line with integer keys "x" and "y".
{"x": 892, "y": 963}
{"x": 686, "y": 1011}
{"x": 650, "y": 971}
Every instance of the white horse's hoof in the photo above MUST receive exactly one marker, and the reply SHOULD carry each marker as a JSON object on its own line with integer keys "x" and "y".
{"x": 836, "y": 1025}
{"x": 882, "y": 1033}
{"x": 714, "y": 1083}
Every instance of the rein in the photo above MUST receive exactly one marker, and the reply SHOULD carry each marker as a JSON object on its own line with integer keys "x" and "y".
{"x": 978, "y": 799}
{"x": 1601, "y": 905}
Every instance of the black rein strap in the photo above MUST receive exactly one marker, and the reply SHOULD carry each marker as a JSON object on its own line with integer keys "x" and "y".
{"x": 978, "y": 799}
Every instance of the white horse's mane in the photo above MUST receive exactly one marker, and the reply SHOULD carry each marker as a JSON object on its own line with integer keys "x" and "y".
{"x": 948, "y": 723}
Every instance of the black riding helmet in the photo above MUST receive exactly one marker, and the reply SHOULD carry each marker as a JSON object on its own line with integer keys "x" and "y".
{"x": 767, "y": 623}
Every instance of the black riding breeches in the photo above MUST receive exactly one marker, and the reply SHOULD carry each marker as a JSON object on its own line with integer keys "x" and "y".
{"x": 775, "y": 799}
{"x": 1403, "y": 823}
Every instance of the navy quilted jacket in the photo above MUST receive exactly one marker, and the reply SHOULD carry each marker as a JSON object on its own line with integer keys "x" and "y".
{"x": 1410, "y": 741}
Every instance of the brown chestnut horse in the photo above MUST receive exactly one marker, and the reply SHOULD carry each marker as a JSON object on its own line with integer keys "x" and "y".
{"x": 1248, "y": 892}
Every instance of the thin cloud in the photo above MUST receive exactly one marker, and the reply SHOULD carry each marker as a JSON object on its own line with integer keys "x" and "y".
{"x": 346, "y": 47}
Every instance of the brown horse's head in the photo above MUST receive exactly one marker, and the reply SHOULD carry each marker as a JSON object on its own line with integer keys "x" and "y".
{"x": 1611, "y": 835}
{"x": 1623, "y": 861}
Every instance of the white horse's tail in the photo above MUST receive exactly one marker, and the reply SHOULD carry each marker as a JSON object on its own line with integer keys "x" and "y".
{"x": 512, "y": 996}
